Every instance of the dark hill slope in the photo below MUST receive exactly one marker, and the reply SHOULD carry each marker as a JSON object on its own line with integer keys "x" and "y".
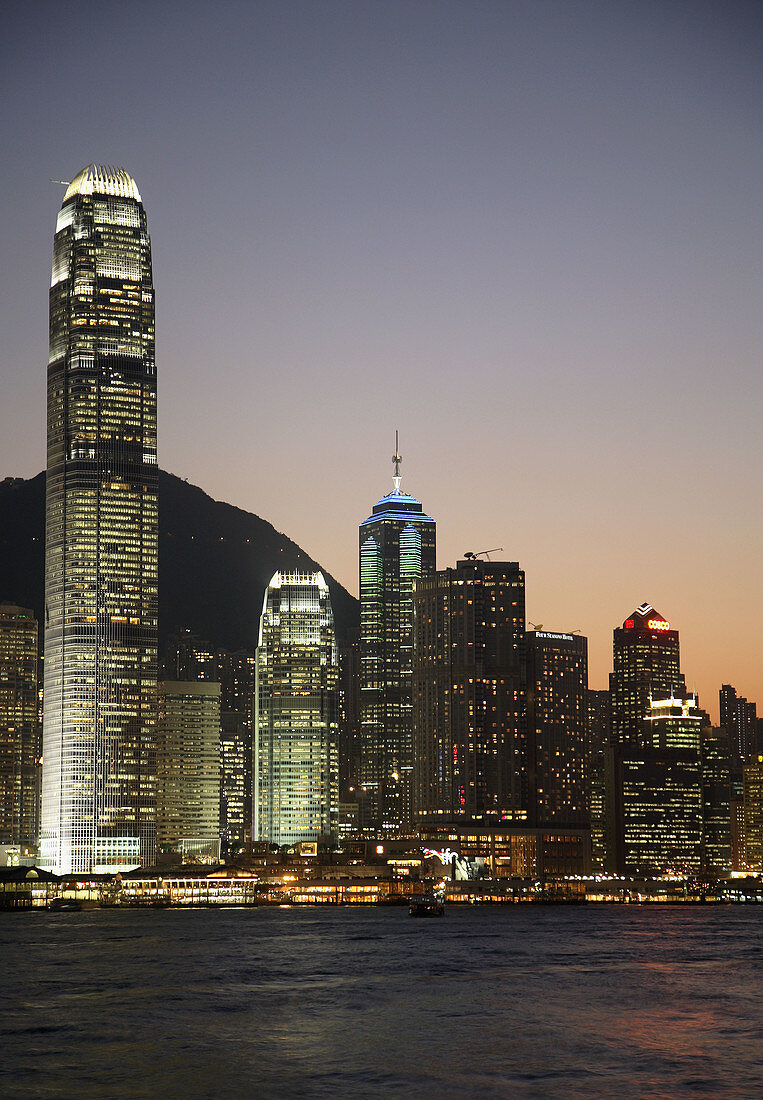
{"x": 214, "y": 561}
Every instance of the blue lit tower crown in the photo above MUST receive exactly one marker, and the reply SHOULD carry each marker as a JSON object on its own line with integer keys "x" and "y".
{"x": 99, "y": 772}
{"x": 397, "y": 548}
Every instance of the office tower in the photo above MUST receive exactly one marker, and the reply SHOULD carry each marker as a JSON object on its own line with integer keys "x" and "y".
{"x": 397, "y": 549}
{"x": 646, "y": 665}
{"x": 740, "y": 719}
{"x": 188, "y": 769}
{"x": 470, "y": 744}
{"x": 235, "y": 781}
{"x": 296, "y": 794}
{"x": 557, "y": 728}
{"x": 716, "y": 800}
{"x": 752, "y": 779}
{"x": 599, "y": 780}
{"x": 646, "y": 668}
{"x": 192, "y": 658}
{"x": 19, "y": 727}
{"x": 349, "y": 718}
{"x": 662, "y": 792}
{"x": 99, "y": 771}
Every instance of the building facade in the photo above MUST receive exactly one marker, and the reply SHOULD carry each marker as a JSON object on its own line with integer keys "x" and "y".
{"x": 752, "y": 779}
{"x": 296, "y": 792}
{"x": 557, "y": 728}
{"x": 19, "y": 727}
{"x": 192, "y": 658}
{"x": 662, "y": 792}
{"x": 739, "y": 718}
{"x": 397, "y": 549}
{"x": 470, "y": 757}
{"x": 646, "y": 666}
{"x": 716, "y": 800}
{"x": 188, "y": 769}
{"x": 101, "y": 534}
{"x": 235, "y": 781}
{"x": 599, "y": 786}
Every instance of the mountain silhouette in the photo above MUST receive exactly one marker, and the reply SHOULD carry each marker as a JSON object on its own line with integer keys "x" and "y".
{"x": 215, "y": 562}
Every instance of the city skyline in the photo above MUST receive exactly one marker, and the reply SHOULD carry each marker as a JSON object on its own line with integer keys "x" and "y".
{"x": 528, "y": 240}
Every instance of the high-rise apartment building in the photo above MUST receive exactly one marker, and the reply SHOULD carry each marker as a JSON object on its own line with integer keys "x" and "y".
{"x": 19, "y": 727}
{"x": 397, "y": 549}
{"x": 470, "y": 757}
{"x": 188, "y": 769}
{"x": 557, "y": 728}
{"x": 99, "y": 771}
{"x": 296, "y": 793}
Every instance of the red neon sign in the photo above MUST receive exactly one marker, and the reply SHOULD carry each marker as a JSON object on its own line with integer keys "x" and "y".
{"x": 629, "y": 624}
{"x": 658, "y": 624}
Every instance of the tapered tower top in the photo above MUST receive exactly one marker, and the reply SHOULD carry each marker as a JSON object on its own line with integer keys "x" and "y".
{"x": 396, "y": 462}
{"x": 103, "y": 180}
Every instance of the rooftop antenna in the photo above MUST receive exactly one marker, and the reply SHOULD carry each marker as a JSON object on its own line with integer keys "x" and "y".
{"x": 397, "y": 461}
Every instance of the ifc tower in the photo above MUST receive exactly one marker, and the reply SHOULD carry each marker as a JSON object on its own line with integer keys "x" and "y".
{"x": 101, "y": 534}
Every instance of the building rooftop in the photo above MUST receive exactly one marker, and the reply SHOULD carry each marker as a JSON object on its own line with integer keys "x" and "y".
{"x": 397, "y": 505}
{"x": 103, "y": 180}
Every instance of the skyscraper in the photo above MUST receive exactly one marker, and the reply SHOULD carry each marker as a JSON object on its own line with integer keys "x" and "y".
{"x": 99, "y": 771}
{"x": 19, "y": 733}
{"x": 656, "y": 764}
{"x": 557, "y": 728}
{"x": 296, "y": 786}
{"x": 191, "y": 658}
{"x": 397, "y": 548}
{"x": 188, "y": 769}
{"x": 646, "y": 665}
{"x": 662, "y": 792}
{"x": 753, "y": 814}
{"x": 470, "y": 757}
{"x": 599, "y": 786}
{"x": 739, "y": 718}
{"x": 716, "y": 799}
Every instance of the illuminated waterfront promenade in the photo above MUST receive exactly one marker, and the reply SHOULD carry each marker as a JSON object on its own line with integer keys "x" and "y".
{"x": 29, "y": 888}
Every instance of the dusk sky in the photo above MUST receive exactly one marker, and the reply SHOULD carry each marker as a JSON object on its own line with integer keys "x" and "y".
{"x": 527, "y": 235}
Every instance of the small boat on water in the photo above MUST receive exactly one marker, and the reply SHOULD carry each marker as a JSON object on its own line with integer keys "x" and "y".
{"x": 64, "y": 905}
{"x": 426, "y": 905}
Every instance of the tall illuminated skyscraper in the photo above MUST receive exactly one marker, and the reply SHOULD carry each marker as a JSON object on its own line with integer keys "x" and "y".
{"x": 296, "y": 785}
{"x": 656, "y": 778}
{"x": 397, "y": 548}
{"x": 99, "y": 769}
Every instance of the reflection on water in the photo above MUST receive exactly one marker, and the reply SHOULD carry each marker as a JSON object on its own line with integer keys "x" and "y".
{"x": 491, "y": 1002}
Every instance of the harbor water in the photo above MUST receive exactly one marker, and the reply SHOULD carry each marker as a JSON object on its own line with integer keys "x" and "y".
{"x": 526, "y": 1001}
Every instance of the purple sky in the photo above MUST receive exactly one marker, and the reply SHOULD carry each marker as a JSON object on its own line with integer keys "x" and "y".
{"x": 528, "y": 235}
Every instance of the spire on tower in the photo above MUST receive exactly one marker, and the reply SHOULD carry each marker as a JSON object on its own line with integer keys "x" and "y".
{"x": 397, "y": 461}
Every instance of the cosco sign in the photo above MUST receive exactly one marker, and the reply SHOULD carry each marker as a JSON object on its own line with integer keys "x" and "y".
{"x": 658, "y": 624}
